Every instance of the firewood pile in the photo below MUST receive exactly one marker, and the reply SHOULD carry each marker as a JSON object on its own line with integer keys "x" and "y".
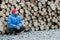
{"x": 42, "y": 15}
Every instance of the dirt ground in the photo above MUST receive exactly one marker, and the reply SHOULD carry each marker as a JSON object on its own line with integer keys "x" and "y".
{"x": 34, "y": 35}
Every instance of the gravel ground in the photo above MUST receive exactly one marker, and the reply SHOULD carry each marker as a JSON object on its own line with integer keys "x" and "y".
{"x": 35, "y": 35}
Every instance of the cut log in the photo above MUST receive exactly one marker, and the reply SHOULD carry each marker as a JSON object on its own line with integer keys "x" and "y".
{"x": 22, "y": 4}
{"x": 46, "y": 0}
{"x": 12, "y": 7}
{"x": 33, "y": 17}
{"x": 3, "y": 5}
{"x": 5, "y": 23}
{"x": 1, "y": 13}
{"x": 27, "y": 28}
{"x": 42, "y": 15}
{"x": 39, "y": 5}
{"x": 18, "y": 0}
{"x": 22, "y": 16}
{"x": 48, "y": 19}
{"x": 33, "y": 29}
{"x": 29, "y": 8}
{"x": 46, "y": 27}
{"x": 32, "y": 1}
{"x": 35, "y": 8}
{"x": 23, "y": 23}
{"x": 58, "y": 7}
{"x": 49, "y": 24}
{"x": 29, "y": 17}
{"x": 44, "y": 20}
{"x": 11, "y": 1}
{"x": 53, "y": 6}
{"x": 30, "y": 25}
{"x": 21, "y": 11}
{"x": 8, "y": 5}
{"x": 6, "y": 1}
{"x": 35, "y": 13}
{"x": 23, "y": 0}
{"x": 49, "y": 9}
{"x": 3, "y": 10}
{"x": 44, "y": 9}
{"x": 26, "y": 15}
{"x": 56, "y": 26}
{"x": 32, "y": 11}
{"x": 2, "y": 19}
{"x": 4, "y": 15}
{"x": 50, "y": 14}
{"x": 7, "y": 13}
{"x": 6, "y": 18}
{"x": 35, "y": 23}
{"x": 53, "y": 20}
{"x": 56, "y": 20}
{"x": 26, "y": 11}
{"x": 41, "y": 27}
{"x": 28, "y": 4}
{"x": 52, "y": 26}
{"x": 25, "y": 7}
{"x": 2, "y": 27}
{"x": 57, "y": 1}
{"x": 37, "y": 28}
{"x": 32, "y": 5}
{"x": 18, "y": 7}
{"x": 7, "y": 9}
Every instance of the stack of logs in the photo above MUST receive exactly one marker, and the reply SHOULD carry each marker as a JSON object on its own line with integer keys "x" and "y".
{"x": 43, "y": 15}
